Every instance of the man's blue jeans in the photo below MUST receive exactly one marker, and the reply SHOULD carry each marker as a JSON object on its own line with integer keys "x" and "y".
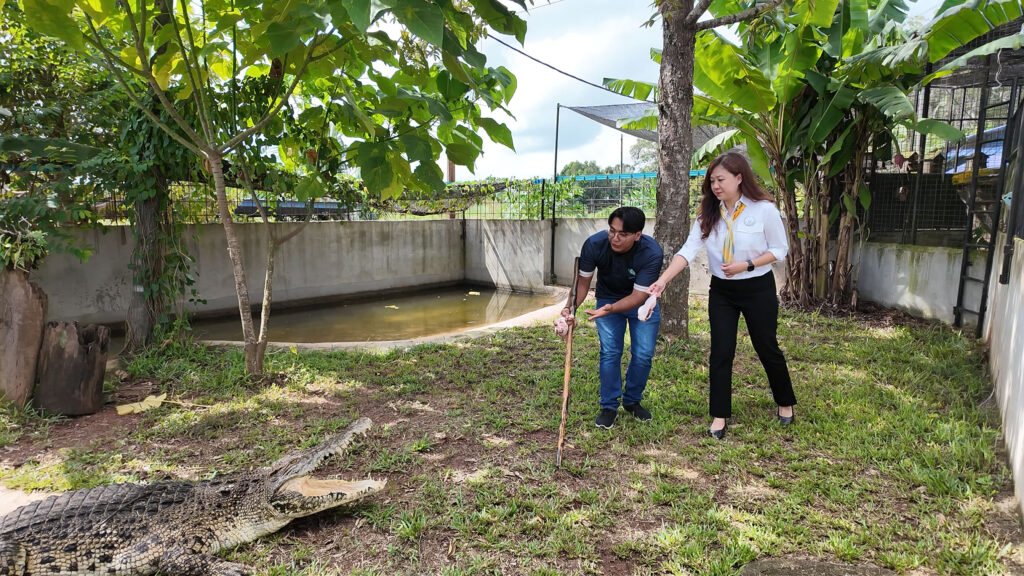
{"x": 611, "y": 330}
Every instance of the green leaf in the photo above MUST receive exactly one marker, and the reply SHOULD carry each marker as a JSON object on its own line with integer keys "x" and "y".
{"x": 375, "y": 168}
{"x": 889, "y": 100}
{"x": 462, "y": 154}
{"x": 714, "y": 146}
{"x": 939, "y": 128}
{"x": 849, "y": 205}
{"x": 632, "y": 88}
{"x": 358, "y": 12}
{"x": 423, "y": 19}
{"x": 759, "y": 161}
{"x": 497, "y": 132}
{"x": 309, "y": 188}
{"x": 283, "y": 36}
{"x": 959, "y": 25}
{"x": 430, "y": 175}
{"x": 497, "y": 16}
{"x": 53, "y": 18}
{"x": 417, "y": 148}
{"x": 864, "y": 197}
{"x": 1013, "y": 42}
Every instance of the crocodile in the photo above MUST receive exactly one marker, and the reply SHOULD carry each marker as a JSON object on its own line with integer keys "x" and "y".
{"x": 173, "y": 527}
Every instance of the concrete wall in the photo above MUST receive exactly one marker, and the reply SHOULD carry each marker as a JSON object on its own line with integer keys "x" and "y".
{"x": 327, "y": 259}
{"x": 510, "y": 254}
{"x": 920, "y": 280}
{"x": 1004, "y": 332}
{"x": 333, "y": 260}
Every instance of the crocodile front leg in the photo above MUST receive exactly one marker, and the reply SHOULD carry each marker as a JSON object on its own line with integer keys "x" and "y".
{"x": 181, "y": 563}
{"x": 13, "y": 558}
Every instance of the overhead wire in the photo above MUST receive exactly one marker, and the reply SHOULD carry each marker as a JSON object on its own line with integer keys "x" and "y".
{"x": 563, "y": 72}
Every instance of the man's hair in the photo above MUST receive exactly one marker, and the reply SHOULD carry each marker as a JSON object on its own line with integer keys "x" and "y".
{"x": 632, "y": 218}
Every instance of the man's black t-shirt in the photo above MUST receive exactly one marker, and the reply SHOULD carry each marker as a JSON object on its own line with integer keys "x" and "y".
{"x": 619, "y": 274}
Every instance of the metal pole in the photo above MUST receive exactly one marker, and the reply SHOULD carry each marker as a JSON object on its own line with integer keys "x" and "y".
{"x": 554, "y": 196}
{"x": 923, "y": 141}
{"x": 620, "y": 168}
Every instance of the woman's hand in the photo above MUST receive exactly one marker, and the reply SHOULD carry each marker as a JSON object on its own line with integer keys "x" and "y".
{"x": 733, "y": 268}
{"x": 657, "y": 288}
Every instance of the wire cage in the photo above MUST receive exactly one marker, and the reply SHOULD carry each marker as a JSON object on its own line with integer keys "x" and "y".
{"x": 938, "y": 193}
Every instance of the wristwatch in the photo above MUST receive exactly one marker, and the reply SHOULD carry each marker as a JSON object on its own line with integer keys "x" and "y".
{"x": 750, "y": 265}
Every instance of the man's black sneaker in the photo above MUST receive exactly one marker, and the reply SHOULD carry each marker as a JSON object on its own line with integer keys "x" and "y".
{"x": 606, "y": 418}
{"x": 639, "y": 412}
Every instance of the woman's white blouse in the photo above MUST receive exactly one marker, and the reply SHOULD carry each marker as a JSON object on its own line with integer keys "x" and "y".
{"x": 758, "y": 229}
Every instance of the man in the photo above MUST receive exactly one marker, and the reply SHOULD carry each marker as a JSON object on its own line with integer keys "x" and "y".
{"x": 627, "y": 262}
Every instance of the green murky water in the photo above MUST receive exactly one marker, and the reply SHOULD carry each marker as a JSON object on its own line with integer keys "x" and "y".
{"x": 398, "y": 317}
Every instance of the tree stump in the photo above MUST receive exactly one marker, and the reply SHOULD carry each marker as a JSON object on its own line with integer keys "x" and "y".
{"x": 22, "y": 316}
{"x": 72, "y": 362}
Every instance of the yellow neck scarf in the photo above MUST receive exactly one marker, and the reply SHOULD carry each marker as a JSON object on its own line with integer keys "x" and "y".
{"x": 727, "y": 246}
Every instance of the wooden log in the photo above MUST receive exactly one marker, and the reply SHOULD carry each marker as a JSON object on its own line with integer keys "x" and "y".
{"x": 22, "y": 316}
{"x": 72, "y": 362}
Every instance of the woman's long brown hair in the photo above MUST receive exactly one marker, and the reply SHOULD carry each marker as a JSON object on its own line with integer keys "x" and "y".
{"x": 709, "y": 212}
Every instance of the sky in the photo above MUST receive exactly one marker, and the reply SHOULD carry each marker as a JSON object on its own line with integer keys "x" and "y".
{"x": 590, "y": 39}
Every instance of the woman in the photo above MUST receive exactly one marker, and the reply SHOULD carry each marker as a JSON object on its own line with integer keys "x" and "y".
{"x": 742, "y": 230}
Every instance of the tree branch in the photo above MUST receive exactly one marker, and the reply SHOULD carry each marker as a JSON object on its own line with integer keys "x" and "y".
{"x": 697, "y": 11}
{"x": 193, "y": 76}
{"x": 739, "y": 16}
{"x": 97, "y": 42}
{"x": 203, "y": 117}
{"x": 270, "y": 114}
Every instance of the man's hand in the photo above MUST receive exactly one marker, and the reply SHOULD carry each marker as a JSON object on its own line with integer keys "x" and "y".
{"x": 599, "y": 312}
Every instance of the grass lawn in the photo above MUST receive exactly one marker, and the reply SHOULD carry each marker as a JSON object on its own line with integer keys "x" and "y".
{"x": 895, "y": 458}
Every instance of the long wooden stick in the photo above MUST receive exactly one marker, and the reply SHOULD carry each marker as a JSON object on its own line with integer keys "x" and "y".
{"x": 565, "y": 395}
{"x": 568, "y": 361}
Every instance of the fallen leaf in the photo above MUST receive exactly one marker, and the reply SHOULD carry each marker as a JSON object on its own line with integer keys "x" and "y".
{"x": 149, "y": 403}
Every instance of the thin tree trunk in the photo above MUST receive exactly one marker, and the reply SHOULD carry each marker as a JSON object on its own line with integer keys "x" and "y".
{"x": 148, "y": 259}
{"x": 253, "y": 359}
{"x": 674, "y": 152}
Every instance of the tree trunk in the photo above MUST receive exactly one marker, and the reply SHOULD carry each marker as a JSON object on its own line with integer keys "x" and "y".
{"x": 253, "y": 352}
{"x": 22, "y": 316}
{"x": 674, "y": 151}
{"x": 146, "y": 306}
{"x": 795, "y": 289}
{"x": 72, "y": 362}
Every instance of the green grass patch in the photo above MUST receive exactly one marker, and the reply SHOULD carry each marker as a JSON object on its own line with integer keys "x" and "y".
{"x": 893, "y": 460}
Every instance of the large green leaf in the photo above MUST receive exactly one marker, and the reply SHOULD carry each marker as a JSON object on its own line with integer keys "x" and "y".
{"x": 961, "y": 24}
{"x": 632, "y": 88}
{"x": 715, "y": 145}
{"x": 497, "y": 16}
{"x": 938, "y": 128}
{"x": 497, "y": 132}
{"x": 424, "y": 19}
{"x": 417, "y": 148}
{"x": 1013, "y": 42}
{"x": 375, "y": 168}
{"x": 430, "y": 175}
{"x": 759, "y": 160}
{"x": 722, "y": 73}
{"x": 358, "y": 12}
{"x": 889, "y": 100}
{"x": 53, "y": 149}
{"x": 284, "y": 35}
{"x": 53, "y": 18}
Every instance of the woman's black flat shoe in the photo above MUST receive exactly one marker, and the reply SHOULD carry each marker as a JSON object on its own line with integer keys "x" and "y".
{"x": 785, "y": 420}
{"x": 718, "y": 434}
